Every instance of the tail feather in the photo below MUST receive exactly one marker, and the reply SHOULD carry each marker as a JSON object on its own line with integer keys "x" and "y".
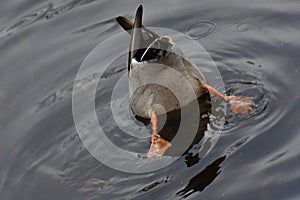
{"x": 141, "y": 37}
{"x": 136, "y": 40}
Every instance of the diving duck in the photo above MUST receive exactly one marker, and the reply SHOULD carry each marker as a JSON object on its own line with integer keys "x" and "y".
{"x": 153, "y": 63}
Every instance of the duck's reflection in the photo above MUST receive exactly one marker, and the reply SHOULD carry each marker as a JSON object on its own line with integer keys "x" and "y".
{"x": 199, "y": 182}
{"x": 169, "y": 124}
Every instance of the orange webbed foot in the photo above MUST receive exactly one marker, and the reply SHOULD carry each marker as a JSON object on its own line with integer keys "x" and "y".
{"x": 240, "y": 104}
{"x": 158, "y": 144}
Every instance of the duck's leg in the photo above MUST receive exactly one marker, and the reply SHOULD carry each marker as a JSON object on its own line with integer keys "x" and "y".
{"x": 158, "y": 144}
{"x": 238, "y": 104}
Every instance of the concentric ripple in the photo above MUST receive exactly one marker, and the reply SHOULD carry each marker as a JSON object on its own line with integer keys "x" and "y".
{"x": 243, "y": 27}
{"x": 199, "y": 30}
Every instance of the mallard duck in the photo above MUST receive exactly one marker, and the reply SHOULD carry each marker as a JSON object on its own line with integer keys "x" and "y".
{"x": 153, "y": 64}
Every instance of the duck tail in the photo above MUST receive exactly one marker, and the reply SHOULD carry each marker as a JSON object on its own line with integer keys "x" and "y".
{"x": 141, "y": 37}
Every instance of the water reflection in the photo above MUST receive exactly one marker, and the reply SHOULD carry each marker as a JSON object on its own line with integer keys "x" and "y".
{"x": 200, "y": 181}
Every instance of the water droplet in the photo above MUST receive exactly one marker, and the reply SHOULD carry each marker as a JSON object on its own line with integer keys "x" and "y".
{"x": 200, "y": 29}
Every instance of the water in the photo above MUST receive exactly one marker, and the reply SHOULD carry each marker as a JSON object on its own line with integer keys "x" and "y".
{"x": 255, "y": 46}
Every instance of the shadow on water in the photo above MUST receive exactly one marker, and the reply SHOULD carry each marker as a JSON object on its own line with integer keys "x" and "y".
{"x": 168, "y": 128}
{"x": 199, "y": 182}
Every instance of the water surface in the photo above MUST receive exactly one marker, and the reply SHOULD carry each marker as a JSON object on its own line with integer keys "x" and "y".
{"x": 255, "y": 45}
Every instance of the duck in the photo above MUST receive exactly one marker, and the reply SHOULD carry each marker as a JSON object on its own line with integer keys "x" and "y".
{"x": 157, "y": 68}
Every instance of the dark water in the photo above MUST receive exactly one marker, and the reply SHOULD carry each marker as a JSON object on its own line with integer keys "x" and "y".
{"x": 255, "y": 45}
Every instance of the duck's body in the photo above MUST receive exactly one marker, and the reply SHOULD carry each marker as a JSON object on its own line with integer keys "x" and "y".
{"x": 153, "y": 83}
{"x": 162, "y": 80}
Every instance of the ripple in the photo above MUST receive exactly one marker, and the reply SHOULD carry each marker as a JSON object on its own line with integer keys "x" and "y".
{"x": 24, "y": 22}
{"x": 66, "y": 7}
{"x": 47, "y": 12}
{"x": 156, "y": 185}
{"x": 243, "y": 27}
{"x": 64, "y": 92}
{"x": 250, "y": 62}
{"x": 263, "y": 98}
{"x": 237, "y": 145}
{"x": 105, "y": 24}
{"x": 276, "y": 157}
{"x": 94, "y": 183}
{"x": 199, "y": 30}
